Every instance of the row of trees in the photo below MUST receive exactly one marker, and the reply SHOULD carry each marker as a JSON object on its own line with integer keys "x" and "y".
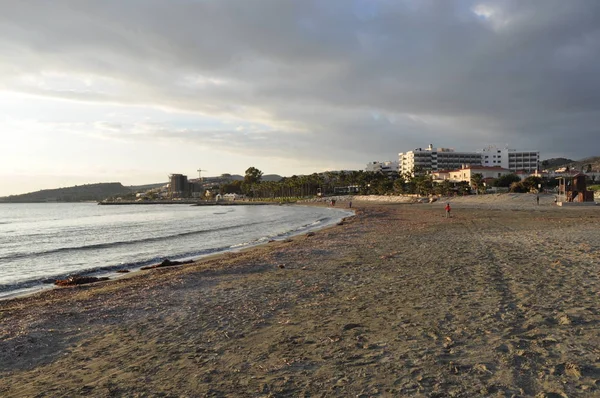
{"x": 307, "y": 185}
{"x": 367, "y": 183}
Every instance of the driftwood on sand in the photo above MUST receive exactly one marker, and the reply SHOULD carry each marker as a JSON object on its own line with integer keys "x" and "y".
{"x": 167, "y": 263}
{"x": 78, "y": 280}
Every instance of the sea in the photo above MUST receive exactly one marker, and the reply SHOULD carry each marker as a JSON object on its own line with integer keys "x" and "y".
{"x": 42, "y": 242}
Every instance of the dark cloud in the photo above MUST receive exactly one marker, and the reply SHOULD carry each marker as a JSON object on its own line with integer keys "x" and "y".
{"x": 363, "y": 78}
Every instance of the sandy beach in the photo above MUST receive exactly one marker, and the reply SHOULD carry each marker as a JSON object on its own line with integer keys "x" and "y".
{"x": 502, "y": 299}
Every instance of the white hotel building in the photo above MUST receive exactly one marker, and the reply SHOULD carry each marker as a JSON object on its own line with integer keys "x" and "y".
{"x": 387, "y": 167}
{"x": 436, "y": 159}
{"x": 510, "y": 159}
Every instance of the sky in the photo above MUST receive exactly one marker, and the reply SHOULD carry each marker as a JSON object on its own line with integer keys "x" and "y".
{"x": 131, "y": 91}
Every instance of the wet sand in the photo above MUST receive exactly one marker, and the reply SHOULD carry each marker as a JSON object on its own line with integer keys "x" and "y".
{"x": 399, "y": 301}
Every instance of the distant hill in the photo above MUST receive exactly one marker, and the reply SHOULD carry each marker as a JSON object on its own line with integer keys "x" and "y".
{"x": 271, "y": 177}
{"x": 101, "y": 191}
{"x": 229, "y": 177}
{"x": 78, "y": 193}
{"x": 555, "y": 163}
{"x": 237, "y": 177}
{"x": 146, "y": 187}
{"x": 583, "y": 164}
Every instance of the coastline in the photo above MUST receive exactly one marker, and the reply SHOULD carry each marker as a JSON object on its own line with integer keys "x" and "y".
{"x": 187, "y": 202}
{"x": 396, "y": 301}
{"x": 113, "y": 271}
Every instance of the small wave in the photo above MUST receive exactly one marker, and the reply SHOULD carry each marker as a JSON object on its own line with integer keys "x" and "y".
{"x": 99, "y": 269}
{"x": 238, "y": 245}
{"x": 226, "y": 211}
{"x": 49, "y": 279}
{"x": 119, "y": 243}
{"x": 286, "y": 234}
{"x": 315, "y": 224}
{"x": 318, "y": 222}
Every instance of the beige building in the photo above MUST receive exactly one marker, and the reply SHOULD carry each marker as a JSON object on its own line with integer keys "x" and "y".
{"x": 467, "y": 172}
{"x": 441, "y": 175}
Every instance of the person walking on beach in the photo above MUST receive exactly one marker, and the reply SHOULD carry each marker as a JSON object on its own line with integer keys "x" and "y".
{"x": 350, "y": 204}
{"x": 447, "y": 208}
{"x": 537, "y": 199}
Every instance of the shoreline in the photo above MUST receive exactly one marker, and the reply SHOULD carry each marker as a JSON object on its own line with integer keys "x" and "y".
{"x": 188, "y": 202}
{"x": 397, "y": 301}
{"x": 113, "y": 273}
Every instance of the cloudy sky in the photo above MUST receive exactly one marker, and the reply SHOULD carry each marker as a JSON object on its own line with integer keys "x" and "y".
{"x": 130, "y": 91}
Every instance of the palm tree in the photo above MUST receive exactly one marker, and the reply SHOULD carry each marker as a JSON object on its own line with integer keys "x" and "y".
{"x": 477, "y": 182}
{"x": 316, "y": 183}
{"x": 423, "y": 184}
{"x": 445, "y": 187}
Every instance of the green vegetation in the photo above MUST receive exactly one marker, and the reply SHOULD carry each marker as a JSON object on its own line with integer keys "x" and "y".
{"x": 372, "y": 183}
{"x": 78, "y": 193}
{"x": 339, "y": 183}
{"x": 143, "y": 188}
{"x": 252, "y": 179}
{"x": 506, "y": 180}
{"x": 555, "y": 163}
{"x": 255, "y": 184}
{"x": 477, "y": 182}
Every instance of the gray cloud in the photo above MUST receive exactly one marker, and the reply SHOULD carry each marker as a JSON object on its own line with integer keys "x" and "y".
{"x": 363, "y": 79}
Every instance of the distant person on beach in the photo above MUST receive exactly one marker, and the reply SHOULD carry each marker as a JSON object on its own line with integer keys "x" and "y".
{"x": 350, "y": 204}
{"x": 448, "y": 210}
{"x": 537, "y": 199}
{"x": 332, "y": 202}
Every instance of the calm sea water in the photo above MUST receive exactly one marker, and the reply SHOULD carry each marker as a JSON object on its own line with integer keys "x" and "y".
{"x": 43, "y": 242}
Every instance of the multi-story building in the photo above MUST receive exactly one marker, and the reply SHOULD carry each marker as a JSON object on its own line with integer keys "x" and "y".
{"x": 179, "y": 186}
{"x": 434, "y": 159}
{"x": 467, "y": 172}
{"x": 510, "y": 159}
{"x": 387, "y": 167}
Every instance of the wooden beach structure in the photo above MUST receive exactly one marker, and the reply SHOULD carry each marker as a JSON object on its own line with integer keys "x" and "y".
{"x": 573, "y": 190}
